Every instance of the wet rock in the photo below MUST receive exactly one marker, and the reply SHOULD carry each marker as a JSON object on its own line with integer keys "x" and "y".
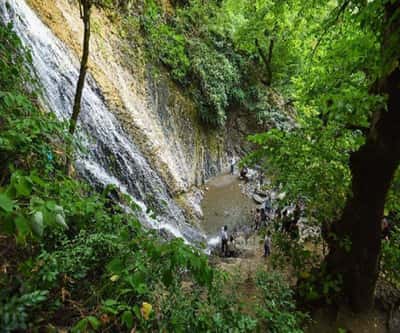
{"x": 258, "y": 198}
{"x": 192, "y": 200}
{"x": 261, "y": 192}
{"x": 166, "y": 234}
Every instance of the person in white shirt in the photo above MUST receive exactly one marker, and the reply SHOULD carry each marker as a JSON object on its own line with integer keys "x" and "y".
{"x": 232, "y": 163}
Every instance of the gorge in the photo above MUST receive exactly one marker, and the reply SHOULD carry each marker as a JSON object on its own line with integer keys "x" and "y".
{"x": 181, "y": 156}
{"x": 147, "y": 230}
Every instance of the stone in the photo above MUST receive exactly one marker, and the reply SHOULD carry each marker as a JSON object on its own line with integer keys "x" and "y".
{"x": 259, "y": 199}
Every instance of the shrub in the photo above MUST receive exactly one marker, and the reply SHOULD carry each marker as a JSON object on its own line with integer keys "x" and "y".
{"x": 277, "y": 308}
{"x": 166, "y": 44}
{"x": 391, "y": 256}
{"x": 216, "y": 77}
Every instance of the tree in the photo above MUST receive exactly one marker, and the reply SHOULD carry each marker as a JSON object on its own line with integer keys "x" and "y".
{"x": 85, "y": 10}
{"x": 342, "y": 156}
{"x": 272, "y": 33}
{"x": 372, "y": 167}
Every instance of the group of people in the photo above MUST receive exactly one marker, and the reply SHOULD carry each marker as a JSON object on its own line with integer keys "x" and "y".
{"x": 289, "y": 222}
{"x": 243, "y": 171}
{"x": 260, "y": 217}
{"x": 228, "y": 246}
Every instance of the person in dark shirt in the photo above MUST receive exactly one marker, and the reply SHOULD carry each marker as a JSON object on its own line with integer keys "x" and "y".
{"x": 385, "y": 227}
{"x": 224, "y": 241}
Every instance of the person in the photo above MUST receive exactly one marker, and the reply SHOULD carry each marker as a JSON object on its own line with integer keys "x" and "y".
{"x": 263, "y": 216}
{"x": 257, "y": 219}
{"x": 247, "y": 232}
{"x": 294, "y": 230}
{"x": 385, "y": 229}
{"x": 231, "y": 246}
{"x": 243, "y": 173}
{"x": 268, "y": 206}
{"x": 261, "y": 178}
{"x": 267, "y": 245}
{"x": 232, "y": 163}
{"x": 224, "y": 240}
{"x": 285, "y": 220}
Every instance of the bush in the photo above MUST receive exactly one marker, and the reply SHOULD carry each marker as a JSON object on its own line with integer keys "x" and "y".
{"x": 14, "y": 312}
{"x": 199, "y": 58}
{"x": 165, "y": 43}
{"x": 390, "y": 263}
{"x": 277, "y": 309}
{"x": 216, "y": 77}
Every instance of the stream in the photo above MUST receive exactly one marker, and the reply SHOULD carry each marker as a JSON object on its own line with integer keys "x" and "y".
{"x": 225, "y": 204}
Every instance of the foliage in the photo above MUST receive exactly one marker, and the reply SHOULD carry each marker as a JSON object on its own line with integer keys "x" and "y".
{"x": 168, "y": 44}
{"x": 324, "y": 187}
{"x": 95, "y": 263}
{"x": 335, "y": 97}
{"x": 390, "y": 264}
{"x": 277, "y": 308}
{"x": 333, "y": 105}
{"x": 14, "y": 313}
{"x": 217, "y": 77}
{"x": 202, "y": 48}
{"x": 79, "y": 250}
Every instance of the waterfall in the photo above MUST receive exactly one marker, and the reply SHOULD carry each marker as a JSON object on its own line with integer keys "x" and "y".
{"x": 111, "y": 156}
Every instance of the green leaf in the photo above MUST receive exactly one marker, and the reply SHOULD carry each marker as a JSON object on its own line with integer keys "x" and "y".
{"x": 94, "y": 322}
{"x": 127, "y": 319}
{"x": 37, "y": 180}
{"x": 137, "y": 312}
{"x": 61, "y": 221}
{"x": 37, "y": 224}
{"x": 137, "y": 282}
{"x": 115, "y": 266}
{"x": 6, "y": 203}
{"x": 23, "y": 186}
{"x": 22, "y": 227}
{"x": 80, "y": 326}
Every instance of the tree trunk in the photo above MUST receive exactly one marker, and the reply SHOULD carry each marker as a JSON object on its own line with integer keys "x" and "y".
{"x": 86, "y": 4}
{"x": 267, "y": 60}
{"x": 373, "y": 167}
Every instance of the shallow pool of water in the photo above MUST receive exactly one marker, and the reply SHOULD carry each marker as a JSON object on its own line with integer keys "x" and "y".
{"x": 225, "y": 204}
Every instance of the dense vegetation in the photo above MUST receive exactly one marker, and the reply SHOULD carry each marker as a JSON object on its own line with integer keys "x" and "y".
{"x": 72, "y": 257}
{"x": 337, "y": 63}
{"x": 341, "y": 158}
{"x": 220, "y": 53}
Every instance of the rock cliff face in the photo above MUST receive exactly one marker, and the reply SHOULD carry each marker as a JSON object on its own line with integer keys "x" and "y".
{"x": 162, "y": 121}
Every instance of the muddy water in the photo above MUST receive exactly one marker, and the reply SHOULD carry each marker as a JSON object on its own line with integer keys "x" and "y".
{"x": 225, "y": 204}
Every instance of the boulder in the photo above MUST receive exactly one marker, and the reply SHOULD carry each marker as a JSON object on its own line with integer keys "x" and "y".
{"x": 258, "y": 198}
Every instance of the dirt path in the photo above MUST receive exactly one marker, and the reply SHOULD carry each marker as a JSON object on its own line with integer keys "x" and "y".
{"x": 243, "y": 271}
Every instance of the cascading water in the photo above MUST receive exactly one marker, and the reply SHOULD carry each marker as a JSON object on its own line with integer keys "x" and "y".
{"x": 112, "y": 157}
